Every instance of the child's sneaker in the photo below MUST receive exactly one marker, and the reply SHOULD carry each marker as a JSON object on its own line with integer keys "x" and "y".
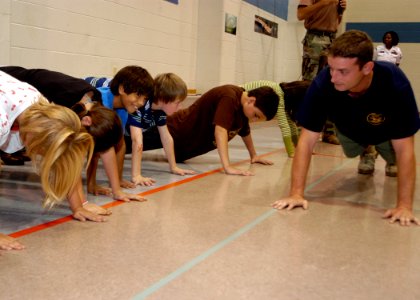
{"x": 391, "y": 170}
{"x": 367, "y": 163}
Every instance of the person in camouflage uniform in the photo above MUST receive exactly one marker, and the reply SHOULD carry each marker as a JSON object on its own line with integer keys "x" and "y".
{"x": 322, "y": 18}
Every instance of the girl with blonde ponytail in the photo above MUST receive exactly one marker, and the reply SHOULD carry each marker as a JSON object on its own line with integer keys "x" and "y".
{"x": 57, "y": 145}
{"x": 54, "y": 139}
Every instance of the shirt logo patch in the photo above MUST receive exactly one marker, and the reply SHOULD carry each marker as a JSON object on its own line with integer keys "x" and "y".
{"x": 375, "y": 119}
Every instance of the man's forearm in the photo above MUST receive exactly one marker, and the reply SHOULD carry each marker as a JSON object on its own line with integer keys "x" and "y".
{"x": 302, "y": 160}
{"x": 406, "y": 180}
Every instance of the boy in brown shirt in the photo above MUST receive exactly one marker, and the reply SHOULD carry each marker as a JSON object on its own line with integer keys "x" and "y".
{"x": 215, "y": 118}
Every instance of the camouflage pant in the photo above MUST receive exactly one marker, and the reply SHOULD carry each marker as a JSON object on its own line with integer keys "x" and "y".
{"x": 314, "y": 58}
{"x": 314, "y": 54}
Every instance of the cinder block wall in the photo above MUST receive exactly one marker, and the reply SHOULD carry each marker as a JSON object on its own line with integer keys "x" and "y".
{"x": 98, "y": 37}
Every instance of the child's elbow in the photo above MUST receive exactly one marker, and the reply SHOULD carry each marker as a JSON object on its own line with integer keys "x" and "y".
{"x": 137, "y": 145}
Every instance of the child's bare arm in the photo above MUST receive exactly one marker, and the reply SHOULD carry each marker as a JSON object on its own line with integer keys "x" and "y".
{"x": 109, "y": 159}
{"x": 221, "y": 136}
{"x": 136, "y": 158}
{"x": 168, "y": 146}
{"x": 120, "y": 152}
{"x": 93, "y": 188}
{"x": 92, "y": 207}
{"x": 111, "y": 169}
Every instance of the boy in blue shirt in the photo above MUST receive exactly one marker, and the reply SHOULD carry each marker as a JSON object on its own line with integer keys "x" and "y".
{"x": 169, "y": 91}
{"x": 127, "y": 92}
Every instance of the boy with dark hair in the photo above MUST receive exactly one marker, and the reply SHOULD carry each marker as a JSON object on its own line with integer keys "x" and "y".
{"x": 215, "y": 118}
{"x": 132, "y": 79}
{"x": 290, "y": 95}
{"x": 128, "y": 91}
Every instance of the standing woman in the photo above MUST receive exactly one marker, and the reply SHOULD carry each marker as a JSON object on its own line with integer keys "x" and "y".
{"x": 389, "y": 51}
{"x": 55, "y": 141}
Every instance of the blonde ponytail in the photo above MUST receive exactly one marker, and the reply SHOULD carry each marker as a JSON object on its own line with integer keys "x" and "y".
{"x": 58, "y": 146}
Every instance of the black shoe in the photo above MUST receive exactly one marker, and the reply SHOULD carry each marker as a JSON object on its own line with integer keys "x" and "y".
{"x": 22, "y": 155}
{"x": 11, "y": 159}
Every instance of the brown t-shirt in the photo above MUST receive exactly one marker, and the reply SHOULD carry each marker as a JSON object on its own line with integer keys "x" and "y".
{"x": 193, "y": 128}
{"x": 325, "y": 19}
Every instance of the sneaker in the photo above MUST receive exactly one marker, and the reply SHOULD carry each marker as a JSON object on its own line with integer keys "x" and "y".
{"x": 391, "y": 170}
{"x": 367, "y": 163}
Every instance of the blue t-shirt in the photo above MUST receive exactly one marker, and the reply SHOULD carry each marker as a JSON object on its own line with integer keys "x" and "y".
{"x": 108, "y": 101}
{"x": 387, "y": 110}
{"x": 146, "y": 118}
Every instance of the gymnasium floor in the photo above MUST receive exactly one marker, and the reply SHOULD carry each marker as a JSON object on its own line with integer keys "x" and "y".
{"x": 213, "y": 236}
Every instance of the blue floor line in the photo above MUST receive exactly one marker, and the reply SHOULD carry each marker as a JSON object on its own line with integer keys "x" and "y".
{"x": 20, "y": 182}
{"x": 192, "y": 263}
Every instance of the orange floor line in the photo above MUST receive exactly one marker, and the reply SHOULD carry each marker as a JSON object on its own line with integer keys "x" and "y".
{"x": 40, "y": 227}
{"x": 117, "y": 202}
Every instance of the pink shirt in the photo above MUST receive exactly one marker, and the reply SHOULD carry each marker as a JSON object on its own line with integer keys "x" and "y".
{"x": 15, "y": 97}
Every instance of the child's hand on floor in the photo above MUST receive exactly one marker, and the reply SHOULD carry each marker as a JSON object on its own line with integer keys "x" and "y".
{"x": 232, "y": 171}
{"x": 259, "y": 160}
{"x": 96, "y": 209}
{"x": 128, "y": 197}
{"x": 182, "y": 172}
{"x": 99, "y": 190}
{"x": 9, "y": 243}
{"x": 127, "y": 184}
{"x": 83, "y": 215}
{"x": 143, "y": 181}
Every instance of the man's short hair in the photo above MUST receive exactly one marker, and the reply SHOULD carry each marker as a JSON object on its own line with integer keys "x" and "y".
{"x": 353, "y": 44}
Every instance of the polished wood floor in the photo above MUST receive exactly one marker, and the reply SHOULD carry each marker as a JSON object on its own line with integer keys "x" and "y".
{"x": 213, "y": 236}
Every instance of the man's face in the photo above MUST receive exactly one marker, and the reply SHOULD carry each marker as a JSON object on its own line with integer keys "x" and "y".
{"x": 253, "y": 113}
{"x": 346, "y": 74}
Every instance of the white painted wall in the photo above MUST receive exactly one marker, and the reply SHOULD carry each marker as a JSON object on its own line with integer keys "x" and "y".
{"x": 248, "y": 55}
{"x": 98, "y": 37}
